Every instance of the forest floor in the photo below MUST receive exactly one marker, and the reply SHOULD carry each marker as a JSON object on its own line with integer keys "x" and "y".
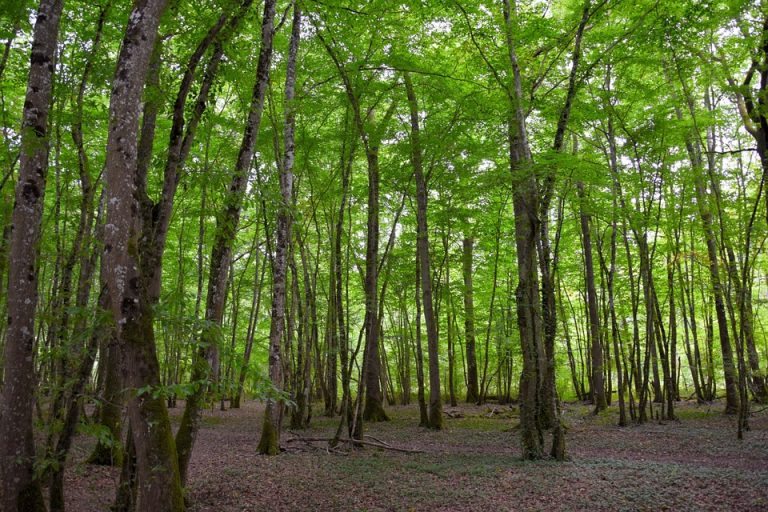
{"x": 695, "y": 463}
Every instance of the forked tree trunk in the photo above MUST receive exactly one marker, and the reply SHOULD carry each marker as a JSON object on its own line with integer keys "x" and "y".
{"x": 157, "y": 469}
{"x": 525, "y": 200}
{"x": 20, "y": 488}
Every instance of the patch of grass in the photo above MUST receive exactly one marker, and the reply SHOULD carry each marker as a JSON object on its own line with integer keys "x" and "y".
{"x": 211, "y": 421}
{"x": 696, "y": 412}
{"x": 475, "y": 466}
{"x": 481, "y": 423}
{"x": 368, "y": 467}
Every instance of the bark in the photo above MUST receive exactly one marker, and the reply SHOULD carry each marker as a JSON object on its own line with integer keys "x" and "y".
{"x": 269, "y": 443}
{"x": 156, "y": 464}
{"x": 420, "y": 394}
{"x": 435, "y": 400}
{"x": 473, "y": 393}
{"x": 371, "y": 139}
{"x": 548, "y": 258}
{"x": 525, "y": 199}
{"x": 21, "y": 489}
{"x": 258, "y": 281}
{"x": 596, "y": 370}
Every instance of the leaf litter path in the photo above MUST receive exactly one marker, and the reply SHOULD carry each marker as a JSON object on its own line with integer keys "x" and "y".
{"x": 693, "y": 464}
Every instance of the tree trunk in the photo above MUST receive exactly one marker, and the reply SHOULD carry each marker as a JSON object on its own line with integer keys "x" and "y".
{"x": 156, "y": 464}
{"x": 596, "y": 370}
{"x": 258, "y": 281}
{"x": 473, "y": 393}
{"x": 423, "y": 412}
{"x": 435, "y": 400}
{"x": 548, "y": 260}
{"x": 21, "y": 489}
{"x": 525, "y": 200}
{"x": 273, "y": 415}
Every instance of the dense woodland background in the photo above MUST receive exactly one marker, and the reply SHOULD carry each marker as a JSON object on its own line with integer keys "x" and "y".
{"x": 338, "y": 207}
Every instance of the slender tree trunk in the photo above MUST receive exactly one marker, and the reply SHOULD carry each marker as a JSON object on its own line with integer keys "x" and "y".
{"x": 371, "y": 137}
{"x": 70, "y": 353}
{"x": 205, "y": 365}
{"x": 273, "y": 415}
{"x": 21, "y": 489}
{"x": 596, "y": 371}
{"x": 435, "y": 400}
{"x": 423, "y": 412}
{"x": 617, "y": 349}
{"x": 548, "y": 259}
{"x": 569, "y": 348}
{"x": 450, "y": 318}
{"x": 374, "y": 410}
{"x": 258, "y": 281}
{"x": 473, "y": 392}
{"x": 338, "y": 290}
{"x": 707, "y": 220}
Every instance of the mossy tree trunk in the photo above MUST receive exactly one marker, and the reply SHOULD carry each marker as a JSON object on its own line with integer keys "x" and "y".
{"x": 159, "y": 485}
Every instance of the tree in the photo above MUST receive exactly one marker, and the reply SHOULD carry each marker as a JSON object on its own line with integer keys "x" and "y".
{"x": 273, "y": 415}
{"x": 156, "y": 462}
{"x": 435, "y": 400}
{"x": 21, "y": 488}
{"x": 473, "y": 394}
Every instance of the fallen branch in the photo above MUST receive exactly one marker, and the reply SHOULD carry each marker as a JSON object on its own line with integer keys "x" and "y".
{"x": 377, "y": 440}
{"x": 353, "y": 441}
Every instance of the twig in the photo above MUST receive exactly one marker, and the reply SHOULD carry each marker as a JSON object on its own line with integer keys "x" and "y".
{"x": 377, "y": 440}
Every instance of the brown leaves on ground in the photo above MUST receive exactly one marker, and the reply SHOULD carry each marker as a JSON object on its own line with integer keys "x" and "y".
{"x": 473, "y": 464}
